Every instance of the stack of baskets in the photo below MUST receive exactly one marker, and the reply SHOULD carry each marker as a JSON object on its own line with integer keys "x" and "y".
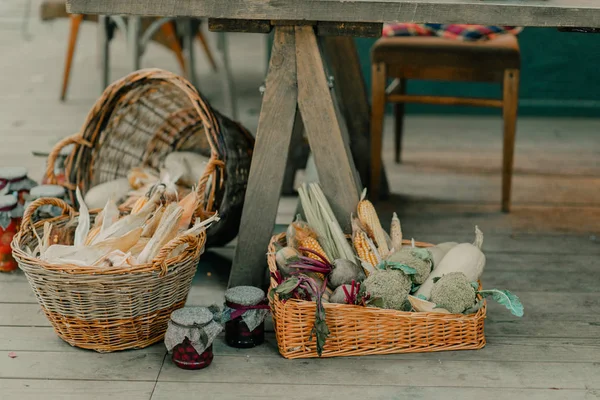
{"x": 139, "y": 120}
{"x": 357, "y": 330}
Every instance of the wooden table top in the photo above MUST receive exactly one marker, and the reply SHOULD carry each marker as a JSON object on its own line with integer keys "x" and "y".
{"x": 549, "y": 13}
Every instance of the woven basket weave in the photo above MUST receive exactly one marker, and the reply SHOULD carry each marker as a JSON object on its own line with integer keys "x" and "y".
{"x": 358, "y": 331}
{"x": 139, "y": 120}
{"x": 107, "y": 309}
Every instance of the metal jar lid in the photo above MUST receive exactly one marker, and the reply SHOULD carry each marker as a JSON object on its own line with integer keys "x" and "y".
{"x": 192, "y": 317}
{"x": 245, "y": 295}
{"x": 11, "y": 173}
{"x": 47, "y": 191}
{"x": 7, "y": 203}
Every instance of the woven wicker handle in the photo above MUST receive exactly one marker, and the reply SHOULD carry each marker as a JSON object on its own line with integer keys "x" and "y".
{"x": 195, "y": 245}
{"x": 74, "y": 139}
{"x": 44, "y": 201}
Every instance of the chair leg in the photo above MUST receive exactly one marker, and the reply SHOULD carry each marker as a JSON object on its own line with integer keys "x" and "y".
{"x": 76, "y": 20}
{"x": 377, "y": 115}
{"x": 511, "y": 101}
{"x": 211, "y": 59}
{"x": 170, "y": 33}
{"x": 399, "y": 123}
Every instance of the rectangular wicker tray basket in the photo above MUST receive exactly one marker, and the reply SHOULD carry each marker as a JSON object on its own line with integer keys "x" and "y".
{"x": 358, "y": 331}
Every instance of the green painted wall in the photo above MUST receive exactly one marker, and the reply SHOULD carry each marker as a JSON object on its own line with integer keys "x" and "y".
{"x": 560, "y": 76}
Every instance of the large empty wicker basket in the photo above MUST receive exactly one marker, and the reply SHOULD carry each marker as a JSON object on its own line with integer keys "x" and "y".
{"x": 139, "y": 120}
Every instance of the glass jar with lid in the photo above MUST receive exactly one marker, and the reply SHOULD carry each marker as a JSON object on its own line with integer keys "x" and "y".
{"x": 14, "y": 180}
{"x": 190, "y": 335}
{"x": 10, "y": 221}
{"x": 244, "y": 316}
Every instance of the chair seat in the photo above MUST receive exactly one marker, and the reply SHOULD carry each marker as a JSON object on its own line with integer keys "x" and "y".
{"x": 499, "y": 53}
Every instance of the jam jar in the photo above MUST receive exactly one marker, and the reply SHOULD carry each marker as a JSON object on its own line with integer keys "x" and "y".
{"x": 14, "y": 180}
{"x": 42, "y": 191}
{"x": 10, "y": 221}
{"x": 244, "y": 315}
{"x": 189, "y": 337}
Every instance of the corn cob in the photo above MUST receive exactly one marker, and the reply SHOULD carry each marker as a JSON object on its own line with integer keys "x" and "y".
{"x": 368, "y": 217}
{"x": 141, "y": 202}
{"x": 300, "y": 234}
{"x": 312, "y": 244}
{"x": 365, "y": 249}
{"x": 396, "y": 233}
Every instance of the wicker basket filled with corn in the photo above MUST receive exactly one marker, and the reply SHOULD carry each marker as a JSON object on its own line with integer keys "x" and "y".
{"x": 335, "y": 293}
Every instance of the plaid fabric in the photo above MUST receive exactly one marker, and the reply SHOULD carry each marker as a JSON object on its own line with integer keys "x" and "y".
{"x": 452, "y": 31}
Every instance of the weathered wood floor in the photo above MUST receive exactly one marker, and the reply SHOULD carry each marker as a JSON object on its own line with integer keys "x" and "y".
{"x": 546, "y": 250}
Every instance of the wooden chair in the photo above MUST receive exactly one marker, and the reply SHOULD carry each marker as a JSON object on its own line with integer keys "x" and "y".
{"x": 166, "y": 35}
{"x": 431, "y": 58}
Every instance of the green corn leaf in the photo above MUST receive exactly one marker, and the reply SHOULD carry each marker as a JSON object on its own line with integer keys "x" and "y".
{"x": 506, "y": 298}
{"x": 475, "y": 285}
{"x": 422, "y": 296}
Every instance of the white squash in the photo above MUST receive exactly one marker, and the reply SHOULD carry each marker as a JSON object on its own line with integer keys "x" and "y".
{"x": 465, "y": 257}
{"x": 187, "y": 166}
{"x": 99, "y": 195}
{"x": 439, "y": 251}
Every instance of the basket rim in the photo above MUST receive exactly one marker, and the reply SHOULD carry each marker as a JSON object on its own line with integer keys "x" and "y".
{"x": 481, "y": 313}
{"x": 160, "y": 263}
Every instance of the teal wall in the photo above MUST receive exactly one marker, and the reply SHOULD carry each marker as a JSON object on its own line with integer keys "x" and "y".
{"x": 560, "y": 76}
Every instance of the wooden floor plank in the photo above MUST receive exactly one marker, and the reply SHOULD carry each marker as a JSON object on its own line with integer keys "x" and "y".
{"x": 35, "y": 389}
{"x": 84, "y": 364}
{"x": 400, "y": 373}
{"x": 498, "y": 348}
{"x": 16, "y": 338}
{"x": 22, "y": 315}
{"x": 275, "y": 390}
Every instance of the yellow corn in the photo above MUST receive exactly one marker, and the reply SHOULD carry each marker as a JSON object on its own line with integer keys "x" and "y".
{"x": 365, "y": 249}
{"x": 368, "y": 217}
{"x": 396, "y": 233}
{"x": 312, "y": 244}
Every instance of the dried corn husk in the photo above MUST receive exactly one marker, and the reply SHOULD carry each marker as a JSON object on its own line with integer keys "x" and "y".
{"x": 115, "y": 258}
{"x": 124, "y": 225}
{"x": 83, "y": 226}
{"x": 88, "y": 255}
{"x": 168, "y": 181}
{"x": 334, "y": 234}
{"x": 92, "y": 235}
{"x": 139, "y": 177}
{"x": 139, "y": 204}
{"x": 189, "y": 204}
{"x": 153, "y": 222}
{"x": 139, "y": 246}
{"x": 111, "y": 214}
{"x": 167, "y": 230}
{"x": 195, "y": 230}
